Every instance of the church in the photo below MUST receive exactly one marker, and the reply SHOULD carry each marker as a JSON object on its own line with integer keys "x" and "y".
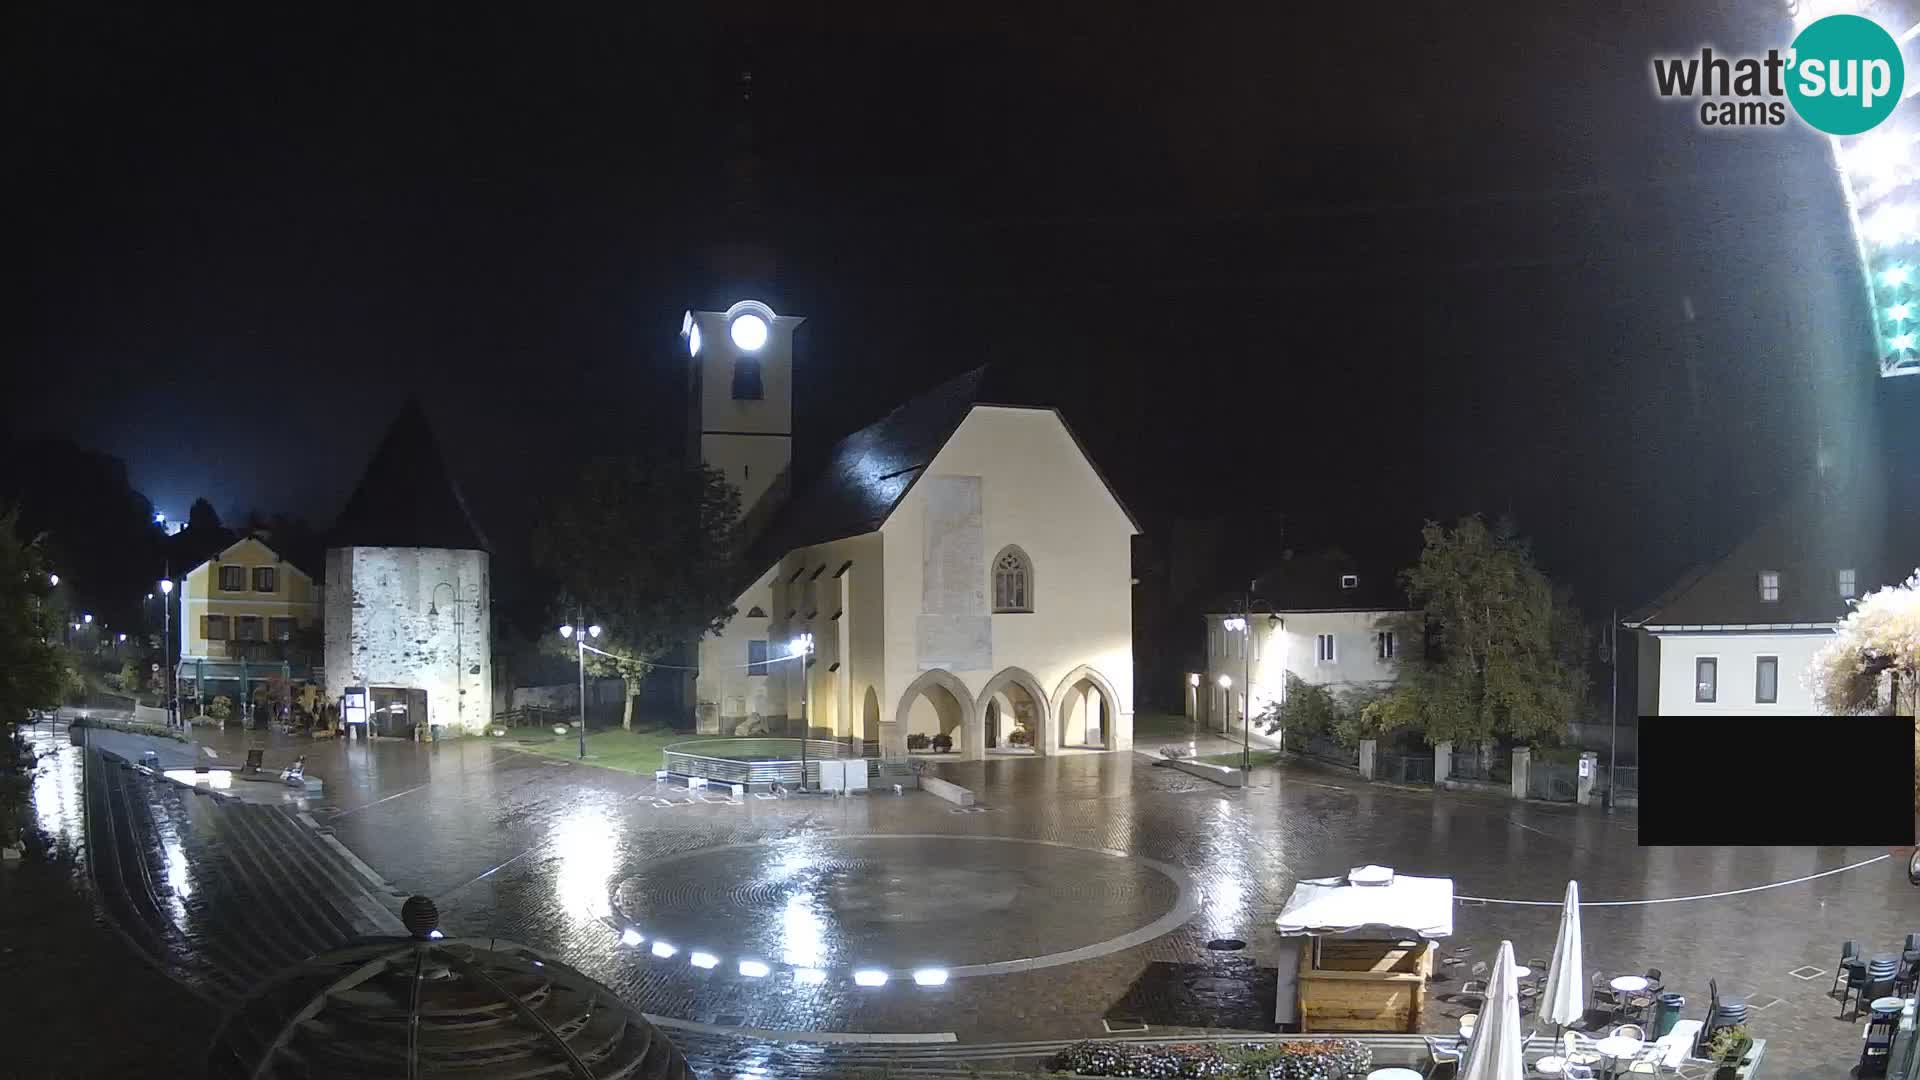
{"x": 956, "y": 579}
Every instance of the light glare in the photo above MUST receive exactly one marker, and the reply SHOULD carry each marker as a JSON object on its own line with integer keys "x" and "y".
{"x": 167, "y": 586}
{"x": 703, "y": 960}
{"x": 1894, "y": 275}
{"x": 53, "y": 579}
{"x": 566, "y": 632}
{"x": 930, "y": 976}
{"x": 593, "y": 631}
{"x": 870, "y": 977}
{"x": 809, "y": 976}
{"x": 1226, "y": 682}
{"x": 630, "y": 936}
{"x": 1903, "y": 342}
{"x": 663, "y": 950}
{"x": 693, "y": 339}
{"x": 754, "y": 969}
{"x": 749, "y": 332}
{"x": 1900, "y": 312}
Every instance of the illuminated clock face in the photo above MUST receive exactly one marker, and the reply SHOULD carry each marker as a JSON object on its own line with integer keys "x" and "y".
{"x": 749, "y": 332}
{"x": 693, "y": 339}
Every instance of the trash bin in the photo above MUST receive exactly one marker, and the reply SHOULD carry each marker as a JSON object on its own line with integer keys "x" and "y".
{"x": 1666, "y": 1013}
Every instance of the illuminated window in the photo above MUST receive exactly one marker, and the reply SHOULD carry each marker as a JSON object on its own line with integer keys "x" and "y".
{"x": 746, "y": 379}
{"x": 756, "y": 658}
{"x": 233, "y": 579}
{"x": 266, "y": 579}
{"x": 1706, "y": 679}
{"x": 1349, "y": 581}
{"x": 1384, "y": 645}
{"x": 1847, "y": 585}
{"x": 1770, "y": 586}
{"x": 1766, "y": 680}
{"x": 279, "y": 629}
{"x": 1323, "y": 649}
{"x": 1012, "y": 581}
{"x": 214, "y": 627}
{"x": 247, "y": 628}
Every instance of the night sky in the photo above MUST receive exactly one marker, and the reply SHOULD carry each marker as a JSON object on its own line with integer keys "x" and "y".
{"x": 1360, "y": 267}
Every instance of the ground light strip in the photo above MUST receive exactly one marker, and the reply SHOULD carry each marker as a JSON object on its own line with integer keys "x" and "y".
{"x": 1676, "y": 899}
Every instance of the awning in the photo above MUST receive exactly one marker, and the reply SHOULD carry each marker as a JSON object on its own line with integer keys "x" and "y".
{"x": 1370, "y": 901}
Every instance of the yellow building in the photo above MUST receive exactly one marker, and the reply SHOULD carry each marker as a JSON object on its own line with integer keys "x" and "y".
{"x": 242, "y": 617}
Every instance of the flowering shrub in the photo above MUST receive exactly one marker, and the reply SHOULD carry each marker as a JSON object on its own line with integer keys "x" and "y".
{"x": 1318, "y": 1059}
{"x": 1880, "y": 637}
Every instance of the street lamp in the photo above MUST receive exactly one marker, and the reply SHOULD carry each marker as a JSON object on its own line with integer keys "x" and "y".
{"x": 579, "y": 638}
{"x": 802, "y": 647}
{"x": 53, "y": 579}
{"x": 166, "y": 645}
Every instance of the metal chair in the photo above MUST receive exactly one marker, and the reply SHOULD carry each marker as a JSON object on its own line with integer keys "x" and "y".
{"x": 1655, "y": 983}
{"x": 1441, "y": 1052}
{"x": 1877, "y": 1042}
{"x": 1604, "y": 997}
{"x": 1849, "y": 958}
{"x": 1856, "y": 984}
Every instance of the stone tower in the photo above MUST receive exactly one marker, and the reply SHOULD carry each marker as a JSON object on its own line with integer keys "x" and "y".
{"x": 741, "y": 393}
{"x": 408, "y": 600}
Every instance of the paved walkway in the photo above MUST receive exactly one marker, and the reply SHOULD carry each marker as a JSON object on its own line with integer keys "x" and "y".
{"x": 1087, "y": 857}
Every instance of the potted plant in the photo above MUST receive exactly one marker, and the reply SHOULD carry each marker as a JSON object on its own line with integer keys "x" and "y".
{"x": 942, "y": 744}
{"x": 1729, "y": 1047}
{"x": 1020, "y": 737}
{"x": 917, "y": 741}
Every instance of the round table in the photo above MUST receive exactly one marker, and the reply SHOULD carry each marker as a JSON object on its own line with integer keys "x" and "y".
{"x": 1618, "y": 1047}
{"x": 1629, "y": 984}
{"x": 1521, "y": 971}
{"x": 1551, "y": 1065}
{"x": 1888, "y": 1004}
{"x": 1394, "y": 1074}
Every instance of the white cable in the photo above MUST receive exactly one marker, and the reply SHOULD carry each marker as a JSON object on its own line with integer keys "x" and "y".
{"x": 678, "y": 667}
{"x": 1676, "y": 899}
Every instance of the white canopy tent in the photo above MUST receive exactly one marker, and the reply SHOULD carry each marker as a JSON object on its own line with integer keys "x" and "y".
{"x": 1370, "y": 898}
{"x": 1356, "y": 950}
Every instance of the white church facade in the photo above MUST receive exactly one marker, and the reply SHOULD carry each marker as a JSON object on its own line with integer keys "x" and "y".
{"x": 958, "y": 574}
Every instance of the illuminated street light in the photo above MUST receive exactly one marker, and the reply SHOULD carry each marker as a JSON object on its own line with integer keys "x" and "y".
{"x": 87, "y": 618}
{"x": 809, "y": 976}
{"x": 166, "y": 645}
{"x": 53, "y": 579}
{"x": 1226, "y": 682}
{"x": 579, "y": 638}
{"x": 630, "y": 936}
{"x": 870, "y": 977}
{"x": 930, "y": 977}
{"x": 663, "y": 950}
{"x": 703, "y": 960}
{"x": 754, "y": 969}
{"x": 1900, "y": 312}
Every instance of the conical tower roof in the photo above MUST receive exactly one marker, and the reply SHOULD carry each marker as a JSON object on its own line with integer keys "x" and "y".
{"x": 407, "y": 498}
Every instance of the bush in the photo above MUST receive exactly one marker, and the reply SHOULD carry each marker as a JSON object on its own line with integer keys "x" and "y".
{"x": 917, "y": 741}
{"x": 1318, "y": 1059}
{"x": 942, "y": 743}
{"x": 220, "y": 708}
{"x": 1020, "y": 737}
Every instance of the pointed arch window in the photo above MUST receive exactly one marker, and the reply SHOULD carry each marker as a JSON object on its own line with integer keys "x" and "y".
{"x": 1012, "y": 580}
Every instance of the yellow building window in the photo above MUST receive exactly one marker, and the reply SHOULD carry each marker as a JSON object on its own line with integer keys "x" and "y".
{"x": 266, "y": 579}
{"x": 233, "y": 579}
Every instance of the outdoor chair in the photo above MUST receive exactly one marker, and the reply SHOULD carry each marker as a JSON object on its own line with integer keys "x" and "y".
{"x": 1654, "y": 982}
{"x": 1849, "y": 959}
{"x": 1630, "y": 1031}
{"x": 1441, "y": 1052}
{"x": 1856, "y": 982}
{"x": 1877, "y": 1042}
{"x": 1474, "y": 989}
{"x": 1604, "y": 996}
{"x": 1878, "y": 987}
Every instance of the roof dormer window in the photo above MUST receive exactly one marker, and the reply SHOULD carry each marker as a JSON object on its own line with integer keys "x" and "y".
{"x": 1349, "y": 581}
{"x": 1769, "y": 586}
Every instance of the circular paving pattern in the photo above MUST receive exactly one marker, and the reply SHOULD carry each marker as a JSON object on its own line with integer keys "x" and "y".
{"x": 971, "y": 905}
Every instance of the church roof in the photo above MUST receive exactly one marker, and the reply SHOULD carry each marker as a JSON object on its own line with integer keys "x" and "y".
{"x": 1319, "y": 583}
{"x": 407, "y": 498}
{"x": 870, "y": 471}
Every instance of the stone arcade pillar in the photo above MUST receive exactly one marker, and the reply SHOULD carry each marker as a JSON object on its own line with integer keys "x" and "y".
{"x": 1367, "y": 748}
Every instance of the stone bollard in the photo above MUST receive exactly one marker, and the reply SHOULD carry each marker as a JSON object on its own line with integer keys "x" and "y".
{"x": 1442, "y": 762}
{"x": 1589, "y": 767}
{"x": 1522, "y": 761}
{"x": 1366, "y": 758}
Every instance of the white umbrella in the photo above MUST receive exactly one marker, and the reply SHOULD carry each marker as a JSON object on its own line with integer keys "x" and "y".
{"x": 1496, "y": 1050}
{"x": 1564, "y": 998}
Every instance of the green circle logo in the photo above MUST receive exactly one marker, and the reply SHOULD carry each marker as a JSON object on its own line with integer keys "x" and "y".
{"x": 1847, "y": 74}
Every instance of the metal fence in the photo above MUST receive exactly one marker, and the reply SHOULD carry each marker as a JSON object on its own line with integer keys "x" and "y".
{"x": 1403, "y": 768}
{"x": 1468, "y": 765}
{"x": 1624, "y": 779}
{"x": 754, "y": 761}
{"x": 1321, "y": 748}
{"x": 1555, "y": 783}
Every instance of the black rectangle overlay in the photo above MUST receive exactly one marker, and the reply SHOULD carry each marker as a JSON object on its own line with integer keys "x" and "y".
{"x": 1776, "y": 781}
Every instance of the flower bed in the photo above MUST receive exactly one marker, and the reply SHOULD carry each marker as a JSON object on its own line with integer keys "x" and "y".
{"x": 1319, "y": 1059}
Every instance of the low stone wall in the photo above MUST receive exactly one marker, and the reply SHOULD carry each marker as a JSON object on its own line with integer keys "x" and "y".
{"x": 946, "y": 789}
{"x": 1219, "y": 774}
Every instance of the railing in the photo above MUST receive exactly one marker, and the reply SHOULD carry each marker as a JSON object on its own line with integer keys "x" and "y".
{"x": 753, "y": 761}
{"x": 1321, "y": 748}
{"x": 1403, "y": 768}
{"x": 1625, "y": 779}
{"x": 1468, "y": 765}
{"x": 1556, "y": 783}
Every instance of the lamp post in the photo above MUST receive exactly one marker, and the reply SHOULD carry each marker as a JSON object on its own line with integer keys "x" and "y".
{"x": 1610, "y": 648}
{"x": 802, "y": 647}
{"x": 1226, "y": 687}
{"x": 166, "y": 646}
{"x": 580, "y": 637}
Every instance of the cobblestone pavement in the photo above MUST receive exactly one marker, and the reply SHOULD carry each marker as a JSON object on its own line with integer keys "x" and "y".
{"x": 567, "y": 857}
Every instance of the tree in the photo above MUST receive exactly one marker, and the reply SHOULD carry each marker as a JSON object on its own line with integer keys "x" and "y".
{"x": 1505, "y": 653}
{"x": 1873, "y": 662}
{"x": 645, "y": 549}
{"x": 32, "y": 675}
{"x": 202, "y": 516}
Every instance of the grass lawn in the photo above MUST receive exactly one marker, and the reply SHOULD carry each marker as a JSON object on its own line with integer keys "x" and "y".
{"x": 636, "y": 751}
{"x": 1148, "y": 725}
{"x": 1260, "y": 757}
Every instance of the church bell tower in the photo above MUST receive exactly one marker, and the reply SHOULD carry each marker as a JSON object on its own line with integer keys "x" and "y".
{"x": 741, "y": 363}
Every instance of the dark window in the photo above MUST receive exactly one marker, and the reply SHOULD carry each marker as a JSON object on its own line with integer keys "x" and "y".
{"x": 233, "y": 579}
{"x": 1384, "y": 645}
{"x": 754, "y": 612}
{"x": 279, "y": 629}
{"x": 1766, "y": 680}
{"x": 746, "y": 379}
{"x": 214, "y": 627}
{"x": 1706, "y": 679}
{"x": 266, "y": 579}
{"x": 246, "y": 628}
{"x": 756, "y": 658}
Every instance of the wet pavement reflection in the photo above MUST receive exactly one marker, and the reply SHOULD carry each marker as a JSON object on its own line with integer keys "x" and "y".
{"x": 639, "y": 883}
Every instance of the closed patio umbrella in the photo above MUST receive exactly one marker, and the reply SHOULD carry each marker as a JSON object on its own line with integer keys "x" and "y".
{"x": 1496, "y": 1050}
{"x": 1563, "y": 1000}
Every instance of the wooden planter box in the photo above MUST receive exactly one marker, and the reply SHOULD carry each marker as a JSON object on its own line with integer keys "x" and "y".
{"x": 1362, "y": 984}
